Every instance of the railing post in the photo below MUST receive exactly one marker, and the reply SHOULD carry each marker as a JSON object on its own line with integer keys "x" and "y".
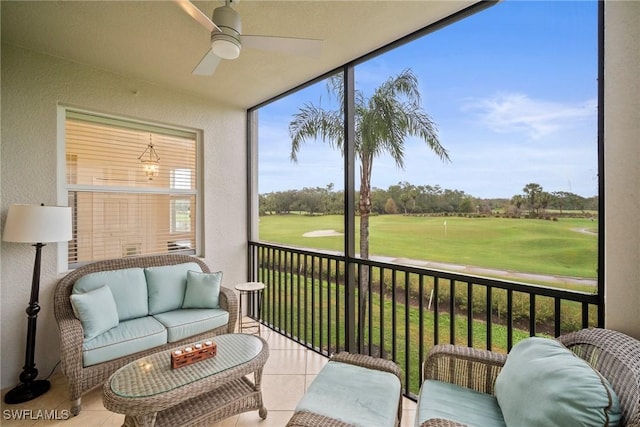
{"x": 349, "y": 213}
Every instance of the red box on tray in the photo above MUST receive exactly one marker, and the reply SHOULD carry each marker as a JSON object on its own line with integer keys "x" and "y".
{"x": 193, "y": 353}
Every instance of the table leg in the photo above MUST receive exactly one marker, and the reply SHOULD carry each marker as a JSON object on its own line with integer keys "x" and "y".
{"x": 257, "y": 381}
{"x": 147, "y": 420}
{"x": 240, "y": 312}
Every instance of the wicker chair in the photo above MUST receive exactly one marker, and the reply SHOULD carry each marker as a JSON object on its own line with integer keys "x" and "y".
{"x": 81, "y": 379}
{"x": 615, "y": 355}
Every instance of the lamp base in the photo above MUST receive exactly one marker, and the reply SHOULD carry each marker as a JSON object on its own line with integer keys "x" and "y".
{"x": 25, "y": 392}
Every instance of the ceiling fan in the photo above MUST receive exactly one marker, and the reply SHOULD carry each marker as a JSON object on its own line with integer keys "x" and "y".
{"x": 227, "y": 39}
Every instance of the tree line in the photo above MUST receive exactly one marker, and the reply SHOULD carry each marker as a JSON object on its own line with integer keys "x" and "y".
{"x": 409, "y": 199}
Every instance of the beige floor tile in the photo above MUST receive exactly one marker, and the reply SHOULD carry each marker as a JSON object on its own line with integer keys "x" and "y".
{"x": 251, "y": 327}
{"x": 408, "y": 404}
{"x": 286, "y": 362}
{"x": 227, "y": 422}
{"x": 308, "y": 379}
{"x": 48, "y": 401}
{"x": 282, "y": 392}
{"x": 114, "y": 420}
{"x": 265, "y": 332}
{"x": 84, "y": 419}
{"x": 274, "y": 419}
{"x": 408, "y": 418}
{"x": 92, "y": 401}
{"x": 280, "y": 342}
{"x": 14, "y": 419}
{"x": 288, "y": 372}
{"x": 315, "y": 362}
{"x": 30, "y": 413}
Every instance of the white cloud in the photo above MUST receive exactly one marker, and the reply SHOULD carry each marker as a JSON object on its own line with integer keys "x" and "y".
{"x": 518, "y": 113}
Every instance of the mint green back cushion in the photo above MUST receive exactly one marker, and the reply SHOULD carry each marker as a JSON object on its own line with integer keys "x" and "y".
{"x": 96, "y": 310}
{"x": 203, "y": 290}
{"x": 128, "y": 286}
{"x": 543, "y": 384}
{"x": 440, "y": 399}
{"x": 166, "y": 285}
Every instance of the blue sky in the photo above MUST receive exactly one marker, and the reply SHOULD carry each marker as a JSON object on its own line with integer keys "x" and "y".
{"x": 512, "y": 89}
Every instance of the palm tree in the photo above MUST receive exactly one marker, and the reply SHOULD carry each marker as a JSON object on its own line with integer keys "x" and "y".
{"x": 382, "y": 123}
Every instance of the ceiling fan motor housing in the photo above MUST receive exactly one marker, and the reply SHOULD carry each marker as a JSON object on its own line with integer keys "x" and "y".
{"x": 226, "y": 43}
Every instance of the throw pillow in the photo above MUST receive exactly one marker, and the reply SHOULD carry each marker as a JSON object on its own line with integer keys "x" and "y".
{"x": 544, "y": 384}
{"x": 166, "y": 286}
{"x": 203, "y": 290}
{"x": 96, "y": 310}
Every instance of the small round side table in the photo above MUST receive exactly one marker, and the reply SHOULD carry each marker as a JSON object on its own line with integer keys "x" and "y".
{"x": 250, "y": 290}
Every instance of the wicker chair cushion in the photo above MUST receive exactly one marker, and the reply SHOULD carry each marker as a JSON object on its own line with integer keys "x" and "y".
{"x": 128, "y": 286}
{"x": 544, "y": 384}
{"x": 449, "y": 401}
{"x": 203, "y": 290}
{"x": 130, "y": 336}
{"x": 354, "y": 395}
{"x": 187, "y": 322}
{"x": 166, "y": 286}
{"x": 96, "y": 310}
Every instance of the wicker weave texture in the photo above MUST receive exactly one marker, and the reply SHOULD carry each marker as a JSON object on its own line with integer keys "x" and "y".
{"x": 82, "y": 379}
{"x": 441, "y": 422}
{"x": 464, "y": 366}
{"x": 617, "y": 357}
{"x": 614, "y": 355}
{"x": 211, "y": 397}
{"x": 309, "y": 419}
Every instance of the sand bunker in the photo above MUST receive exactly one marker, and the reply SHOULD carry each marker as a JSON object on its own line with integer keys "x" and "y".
{"x": 322, "y": 233}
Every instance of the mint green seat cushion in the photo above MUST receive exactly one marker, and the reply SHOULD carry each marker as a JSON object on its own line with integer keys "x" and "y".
{"x": 129, "y": 337}
{"x": 353, "y": 394}
{"x": 543, "y": 384}
{"x": 166, "y": 286}
{"x": 96, "y": 310}
{"x": 128, "y": 286}
{"x": 187, "y": 322}
{"x": 203, "y": 290}
{"x": 439, "y": 399}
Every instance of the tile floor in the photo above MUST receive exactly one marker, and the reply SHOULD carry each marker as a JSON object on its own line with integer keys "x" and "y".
{"x": 287, "y": 373}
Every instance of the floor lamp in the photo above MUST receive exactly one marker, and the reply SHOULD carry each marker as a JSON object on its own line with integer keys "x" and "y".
{"x": 37, "y": 225}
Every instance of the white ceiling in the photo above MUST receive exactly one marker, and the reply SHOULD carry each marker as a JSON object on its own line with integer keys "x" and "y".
{"x": 156, "y": 41}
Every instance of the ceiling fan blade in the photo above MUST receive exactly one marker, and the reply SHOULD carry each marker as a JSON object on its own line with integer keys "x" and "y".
{"x": 288, "y": 45}
{"x": 207, "y": 64}
{"x": 198, "y": 15}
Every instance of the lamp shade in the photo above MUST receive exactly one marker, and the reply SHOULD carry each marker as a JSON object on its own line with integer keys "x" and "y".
{"x": 37, "y": 224}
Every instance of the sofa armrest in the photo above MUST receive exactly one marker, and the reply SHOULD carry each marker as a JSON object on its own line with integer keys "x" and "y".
{"x": 71, "y": 339}
{"x": 464, "y": 366}
{"x": 229, "y": 302}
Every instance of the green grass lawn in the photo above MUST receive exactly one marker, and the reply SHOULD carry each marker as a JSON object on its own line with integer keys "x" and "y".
{"x": 294, "y": 305}
{"x": 535, "y": 246}
{"x": 524, "y": 245}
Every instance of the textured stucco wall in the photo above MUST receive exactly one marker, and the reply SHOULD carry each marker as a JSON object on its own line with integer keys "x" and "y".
{"x": 622, "y": 166}
{"x": 33, "y": 86}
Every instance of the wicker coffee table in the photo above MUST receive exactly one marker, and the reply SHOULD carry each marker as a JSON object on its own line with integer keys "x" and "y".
{"x": 150, "y": 393}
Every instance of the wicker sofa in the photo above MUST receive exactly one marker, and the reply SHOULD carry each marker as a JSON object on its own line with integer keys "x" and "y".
{"x": 129, "y": 341}
{"x": 614, "y": 355}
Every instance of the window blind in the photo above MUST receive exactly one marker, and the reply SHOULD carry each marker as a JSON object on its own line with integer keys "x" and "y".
{"x": 118, "y": 210}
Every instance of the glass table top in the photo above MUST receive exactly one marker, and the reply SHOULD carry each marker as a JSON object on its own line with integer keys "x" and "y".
{"x": 152, "y": 375}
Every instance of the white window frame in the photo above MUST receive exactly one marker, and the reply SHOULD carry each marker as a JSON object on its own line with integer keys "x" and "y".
{"x": 63, "y": 188}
